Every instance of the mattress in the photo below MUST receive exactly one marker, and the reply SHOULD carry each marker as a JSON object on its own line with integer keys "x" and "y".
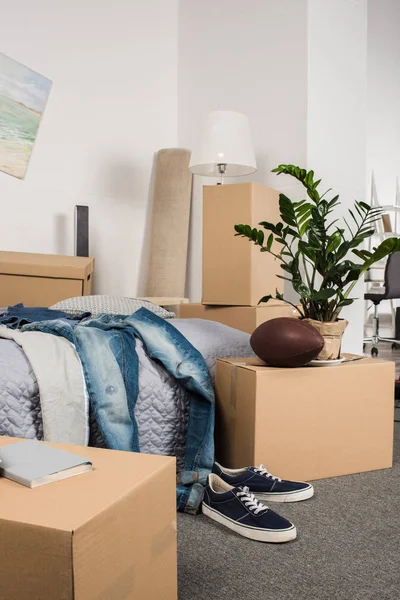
{"x": 162, "y": 405}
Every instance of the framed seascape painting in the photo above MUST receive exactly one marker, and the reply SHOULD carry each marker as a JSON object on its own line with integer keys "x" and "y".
{"x": 23, "y": 97}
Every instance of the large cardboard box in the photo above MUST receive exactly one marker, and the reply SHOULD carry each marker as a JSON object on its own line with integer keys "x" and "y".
{"x": 235, "y": 272}
{"x": 105, "y": 535}
{"x": 305, "y": 423}
{"x": 245, "y": 318}
{"x": 43, "y": 279}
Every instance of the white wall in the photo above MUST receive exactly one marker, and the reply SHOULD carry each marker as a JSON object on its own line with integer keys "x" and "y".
{"x": 122, "y": 73}
{"x": 337, "y": 114}
{"x": 251, "y": 57}
{"x": 113, "y": 104}
{"x": 383, "y": 131}
{"x": 383, "y": 116}
{"x": 298, "y": 70}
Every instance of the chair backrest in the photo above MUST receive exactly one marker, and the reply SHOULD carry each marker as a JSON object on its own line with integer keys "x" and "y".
{"x": 392, "y": 276}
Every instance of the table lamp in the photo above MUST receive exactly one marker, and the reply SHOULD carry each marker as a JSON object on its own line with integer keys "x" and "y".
{"x": 224, "y": 146}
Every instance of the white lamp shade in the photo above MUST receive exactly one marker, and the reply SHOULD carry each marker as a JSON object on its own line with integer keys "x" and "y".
{"x": 225, "y": 139}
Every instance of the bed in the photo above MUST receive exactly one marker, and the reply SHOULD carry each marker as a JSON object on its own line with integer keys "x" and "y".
{"x": 162, "y": 407}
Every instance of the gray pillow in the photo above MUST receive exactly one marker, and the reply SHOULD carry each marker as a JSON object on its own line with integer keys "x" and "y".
{"x": 113, "y": 305}
{"x": 214, "y": 340}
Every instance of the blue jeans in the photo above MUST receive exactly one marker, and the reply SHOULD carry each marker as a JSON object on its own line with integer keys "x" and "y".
{"x": 106, "y": 346}
{"x": 19, "y": 315}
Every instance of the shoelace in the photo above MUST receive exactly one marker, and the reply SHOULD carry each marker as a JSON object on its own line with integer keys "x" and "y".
{"x": 263, "y": 471}
{"x": 251, "y": 501}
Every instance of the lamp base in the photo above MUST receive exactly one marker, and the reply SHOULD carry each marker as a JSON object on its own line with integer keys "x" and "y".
{"x": 222, "y": 171}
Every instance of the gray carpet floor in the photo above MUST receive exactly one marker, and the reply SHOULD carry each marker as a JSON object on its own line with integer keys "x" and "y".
{"x": 348, "y": 547}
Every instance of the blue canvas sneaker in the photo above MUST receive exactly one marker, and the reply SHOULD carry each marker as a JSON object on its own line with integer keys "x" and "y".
{"x": 263, "y": 485}
{"x": 238, "y": 509}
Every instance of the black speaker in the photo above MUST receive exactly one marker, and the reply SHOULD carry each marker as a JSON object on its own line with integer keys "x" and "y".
{"x": 81, "y": 230}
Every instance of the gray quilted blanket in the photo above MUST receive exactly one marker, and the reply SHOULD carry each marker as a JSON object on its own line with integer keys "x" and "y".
{"x": 20, "y": 413}
{"x": 162, "y": 406}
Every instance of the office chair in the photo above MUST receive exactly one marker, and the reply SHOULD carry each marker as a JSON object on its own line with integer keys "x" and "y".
{"x": 391, "y": 291}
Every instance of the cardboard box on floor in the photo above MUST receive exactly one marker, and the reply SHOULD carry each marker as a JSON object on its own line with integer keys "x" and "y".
{"x": 43, "y": 279}
{"x": 245, "y": 318}
{"x": 305, "y": 423}
{"x": 106, "y": 535}
{"x": 235, "y": 272}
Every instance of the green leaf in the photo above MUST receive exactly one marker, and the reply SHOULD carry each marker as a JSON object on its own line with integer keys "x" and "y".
{"x": 348, "y": 227}
{"x": 353, "y": 217}
{"x": 363, "y": 254}
{"x": 387, "y": 247}
{"x": 358, "y": 239}
{"x": 287, "y": 210}
{"x": 304, "y": 218}
{"x": 278, "y": 295}
{"x": 360, "y": 212}
{"x": 265, "y": 299}
{"x": 247, "y": 230}
{"x": 286, "y": 267}
{"x": 291, "y": 232}
{"x": 303, "y": 209}
{"x": 301, "y": 288}
{"x": 314, "y": 238}
{"x": 354, "y": 274}
{"x": 304, "y": 228}
{"x": 334, "y": 242}
{"x": 345, "y": 302}
{"x": 297, "y": 205}
{"x": 366, "y": 206}
{"x": 326, "y": 192}
{"x": 310, "y": 194}
{"x": 332, "y": 224}
{"x": 260, "y": 237}
{"x": 269, "y": 226}
{"x": 286, "y": 202}
{"x": 323, "y": 294}
{"x": 309, "y": 178}
{"x": 269, "y": 241}
{"x": 307, "y": 250}
{"x": 366, "y": 232}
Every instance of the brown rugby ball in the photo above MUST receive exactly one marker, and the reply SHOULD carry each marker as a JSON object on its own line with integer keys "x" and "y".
{"x": 286, "y": 342}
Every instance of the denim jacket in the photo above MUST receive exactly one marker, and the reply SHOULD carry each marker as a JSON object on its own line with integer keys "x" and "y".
{"x": 106, "y": 346}
{"x": 15, "y": 317}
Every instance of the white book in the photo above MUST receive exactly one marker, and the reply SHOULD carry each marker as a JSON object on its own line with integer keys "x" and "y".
{"x": 33, "y": 463}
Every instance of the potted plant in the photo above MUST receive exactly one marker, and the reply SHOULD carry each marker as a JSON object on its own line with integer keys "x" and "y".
{"x": 319, "y": 253}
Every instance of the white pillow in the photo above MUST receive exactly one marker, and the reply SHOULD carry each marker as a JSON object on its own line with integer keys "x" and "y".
{"x": 113, "y": 305}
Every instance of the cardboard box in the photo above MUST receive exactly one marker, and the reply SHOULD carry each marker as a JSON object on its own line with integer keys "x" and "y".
{"x": 245, "y": 318}
{"x": 306, "y": 423}
{"x": 235, "y": 272}
{"x": 43, "y": 279}
{"x": 105, "y": 535}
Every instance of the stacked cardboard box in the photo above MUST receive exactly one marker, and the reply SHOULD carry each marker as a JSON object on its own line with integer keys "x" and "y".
{"x": 43, "y": 279}
{"x": 305, "y": 423}
{"x": 302, "y": 423}
{"x": 235, "y": 273}
{"x": 108, "y": 534}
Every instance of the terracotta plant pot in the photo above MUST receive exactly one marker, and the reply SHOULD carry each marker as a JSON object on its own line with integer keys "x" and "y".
{"x": 332, "y": 332}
